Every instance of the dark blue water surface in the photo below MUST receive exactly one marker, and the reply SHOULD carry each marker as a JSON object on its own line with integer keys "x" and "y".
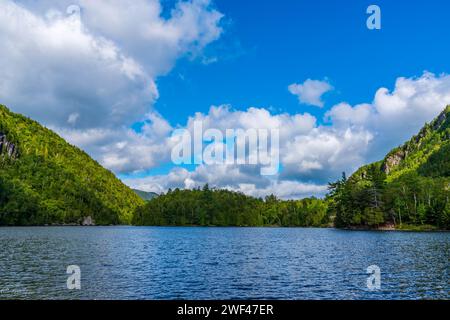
{"x": 221, "y": 263}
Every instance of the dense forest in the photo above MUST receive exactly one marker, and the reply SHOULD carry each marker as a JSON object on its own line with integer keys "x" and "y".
{"x": 44, "y": 180}
{"x": 411, "y": 186}
{"x": 215, "y": 207}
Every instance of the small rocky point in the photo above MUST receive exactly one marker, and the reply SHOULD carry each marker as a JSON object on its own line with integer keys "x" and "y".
{"x": 88, "y": 221}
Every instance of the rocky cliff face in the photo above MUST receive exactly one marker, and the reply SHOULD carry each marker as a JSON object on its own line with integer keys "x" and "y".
{"x": 438, "y": 125}
{"x": 7, "y": 148}
{"x": 393, "y": 160}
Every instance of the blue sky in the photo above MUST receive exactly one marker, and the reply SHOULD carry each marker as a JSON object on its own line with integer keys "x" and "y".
{"x": 116, "y": 78}
{"x": 268, "y": 45}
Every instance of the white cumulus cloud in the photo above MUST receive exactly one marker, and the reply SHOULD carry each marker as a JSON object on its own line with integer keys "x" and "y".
{"x": 394, "y": 116}
{"x": 88, "y": 69}
{"x": 311, "y": 91}
{"x": 314, "y": 153}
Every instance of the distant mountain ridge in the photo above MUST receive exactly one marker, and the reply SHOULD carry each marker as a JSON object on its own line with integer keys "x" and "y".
{"x": 145, "y": 195}
{"x": 45, "y": 180}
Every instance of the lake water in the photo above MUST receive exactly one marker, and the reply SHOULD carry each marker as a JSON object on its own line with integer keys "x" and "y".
{"x": 221, "y": 263}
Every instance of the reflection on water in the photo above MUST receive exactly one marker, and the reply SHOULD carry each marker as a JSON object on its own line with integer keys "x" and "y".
{"x": 221, "y": 263}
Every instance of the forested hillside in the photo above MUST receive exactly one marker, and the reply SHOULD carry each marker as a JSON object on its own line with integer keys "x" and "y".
{"x": 44, "y": 180}
{"x": 411, "y": 186}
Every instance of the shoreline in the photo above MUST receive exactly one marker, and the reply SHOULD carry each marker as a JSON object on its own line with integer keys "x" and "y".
{"x": 407, "y": 228}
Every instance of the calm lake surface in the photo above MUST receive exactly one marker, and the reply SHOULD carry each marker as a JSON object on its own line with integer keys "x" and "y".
{"x": 221, "y": 263}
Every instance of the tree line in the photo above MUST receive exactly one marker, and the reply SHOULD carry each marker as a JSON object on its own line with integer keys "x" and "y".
{"x": 370, "y": 201}
{"x": 216, "y": 207}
